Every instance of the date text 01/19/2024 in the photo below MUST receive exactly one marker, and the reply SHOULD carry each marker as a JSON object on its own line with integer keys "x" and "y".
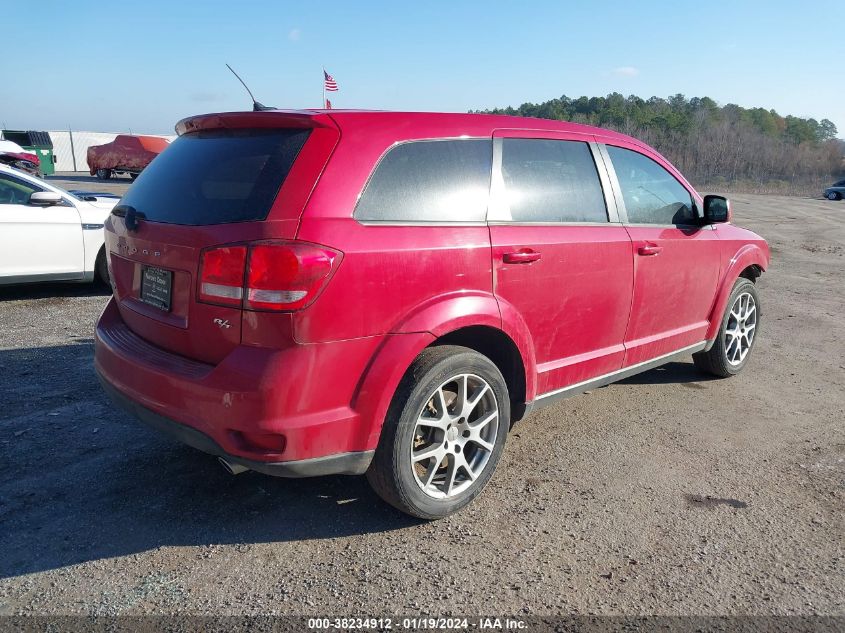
{"x": 415, "y": 623}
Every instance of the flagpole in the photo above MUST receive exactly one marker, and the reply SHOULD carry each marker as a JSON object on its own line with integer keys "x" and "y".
{"x": 324, "y": 88}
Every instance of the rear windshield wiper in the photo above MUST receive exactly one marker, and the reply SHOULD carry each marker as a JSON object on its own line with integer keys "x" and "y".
{"x": 122, "y": 209}
{"x": 130, "y": 215}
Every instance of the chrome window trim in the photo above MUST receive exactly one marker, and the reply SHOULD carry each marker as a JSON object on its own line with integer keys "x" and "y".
{"x": 419, "y": 223}
{"x": 606, "y": 188}
{"x": 670, "y": 226}
{"x": 622, "y": 211}
{"x": 497, "y": 210}
{"x": 506, "y": 223}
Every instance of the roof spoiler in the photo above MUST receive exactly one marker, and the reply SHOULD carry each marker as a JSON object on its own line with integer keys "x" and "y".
{"x": 260, "y": 119}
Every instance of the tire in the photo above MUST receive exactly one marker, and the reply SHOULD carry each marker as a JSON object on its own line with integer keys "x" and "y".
{"x": 104, "y": 174}
{"x": 465, "y": 450}
{"x": 834, "y": 195}
{"x": 730, "y": 353}
{"x": 101, "y": 269}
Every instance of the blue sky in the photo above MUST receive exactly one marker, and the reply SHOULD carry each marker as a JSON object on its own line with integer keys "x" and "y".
{"x": 116, "y": 66}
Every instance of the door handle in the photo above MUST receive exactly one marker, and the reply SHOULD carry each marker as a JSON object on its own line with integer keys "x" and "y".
{"x": 521, "y": 257}
{"x": 649, "y": 249}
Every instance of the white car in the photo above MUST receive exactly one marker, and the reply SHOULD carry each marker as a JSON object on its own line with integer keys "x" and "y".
{"x": 49, "y": 234}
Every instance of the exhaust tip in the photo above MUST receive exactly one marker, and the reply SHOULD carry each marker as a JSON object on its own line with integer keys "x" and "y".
{"x": 232, "y": 468}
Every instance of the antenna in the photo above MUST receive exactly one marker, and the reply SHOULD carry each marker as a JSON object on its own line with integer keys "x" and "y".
{"x": 256, "y": 106}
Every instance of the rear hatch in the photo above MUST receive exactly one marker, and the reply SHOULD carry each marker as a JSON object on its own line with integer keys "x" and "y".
{"x": 229, "y": 179}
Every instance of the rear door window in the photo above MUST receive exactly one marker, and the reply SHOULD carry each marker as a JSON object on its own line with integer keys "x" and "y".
{"x": 430, "y": 181}
{"x": 216, "y": 176}
{"x": 652, "y": 195}
{"x": 551, "y": 181}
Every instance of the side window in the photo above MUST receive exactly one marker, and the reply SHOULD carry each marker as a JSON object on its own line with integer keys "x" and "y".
{"x": 14, "y": 191}
{"x": 551, "y": 181}
{"x": 652, "y": 195}
{"x": 430, "y": 181}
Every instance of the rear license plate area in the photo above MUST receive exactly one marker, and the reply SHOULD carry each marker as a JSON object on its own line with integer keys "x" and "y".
{"x": 156, "y": 284}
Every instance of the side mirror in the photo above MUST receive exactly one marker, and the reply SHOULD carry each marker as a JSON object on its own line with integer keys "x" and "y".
{"x": 717, "y": 210}
{"x": 45, "y": 198}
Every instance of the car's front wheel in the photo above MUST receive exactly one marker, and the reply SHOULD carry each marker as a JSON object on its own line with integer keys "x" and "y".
{"x": 101, "y": 268}
{"x": 737, "y": 334}
{"x": 104, "y": 174}
{"x": 833, "y": 195}
{"x": 444, "y": 433}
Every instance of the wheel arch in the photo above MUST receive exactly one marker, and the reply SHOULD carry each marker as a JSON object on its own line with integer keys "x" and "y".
{"x": 749, "y": 262}
{"x": 502, "y": 351}
{"x": 398, "y": 351}
{"x": 477, "y": 318}
{"x": 751, "y": 272}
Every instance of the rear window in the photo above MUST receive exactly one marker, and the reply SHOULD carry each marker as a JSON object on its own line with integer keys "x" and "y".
{"x": 216, "y": 176}
{"x": 551, "y": 181}
{"x": 430, "y": 181}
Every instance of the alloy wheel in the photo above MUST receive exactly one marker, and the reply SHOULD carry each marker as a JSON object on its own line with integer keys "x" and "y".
{"x": 454, "y": 436}
{"x": 740, "y": 329}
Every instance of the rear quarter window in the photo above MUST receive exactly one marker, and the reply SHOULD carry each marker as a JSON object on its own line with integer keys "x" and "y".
{"x": 216, "y": 176}
{"x": 430, "y": 181}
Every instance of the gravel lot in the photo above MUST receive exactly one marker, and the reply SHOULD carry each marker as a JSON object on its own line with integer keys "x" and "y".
{"x": 82, "y": 181}
{"x": 668, "y": 493}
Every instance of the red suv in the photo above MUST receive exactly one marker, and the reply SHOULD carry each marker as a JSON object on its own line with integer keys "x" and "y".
{"x": 316, "y": 292}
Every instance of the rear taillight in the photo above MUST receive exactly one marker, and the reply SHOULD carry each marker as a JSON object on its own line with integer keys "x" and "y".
{"x": 222, "y": 275}
{"x": 277, "y": 276}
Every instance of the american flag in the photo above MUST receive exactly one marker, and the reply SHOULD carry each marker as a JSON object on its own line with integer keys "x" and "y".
{"x": 328, "y": 105}
{"x": 331, "y": 84}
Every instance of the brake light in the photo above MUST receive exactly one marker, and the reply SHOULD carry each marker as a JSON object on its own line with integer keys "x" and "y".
{"x": 277, "y": 276}
{"x": 222, "y": 275}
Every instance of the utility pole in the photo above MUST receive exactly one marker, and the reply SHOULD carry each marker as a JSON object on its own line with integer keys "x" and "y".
{"x": 72, "y": 150}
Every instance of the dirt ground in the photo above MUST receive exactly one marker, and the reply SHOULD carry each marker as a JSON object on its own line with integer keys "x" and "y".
{"x": 668, "y": 493}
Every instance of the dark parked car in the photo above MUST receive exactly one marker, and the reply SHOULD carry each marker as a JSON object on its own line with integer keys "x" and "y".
{"x": 836, "y": 191}
{"x": 307, "y": 293}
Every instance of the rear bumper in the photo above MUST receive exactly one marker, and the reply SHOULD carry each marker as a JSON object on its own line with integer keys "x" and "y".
{"x": 285, "y": 411}
{"x": 339, "y": 464}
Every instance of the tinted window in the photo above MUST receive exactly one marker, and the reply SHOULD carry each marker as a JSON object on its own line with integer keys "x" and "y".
{"x": 216, "y": 176}
{"x": 652, "y": 195}
{"x": 551, "y": 181}
{"x": 431, "y": 181}
{"x": 14, "y": 191}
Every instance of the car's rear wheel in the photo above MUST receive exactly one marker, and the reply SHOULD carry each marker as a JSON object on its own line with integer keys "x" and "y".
{"x": 104, "y": 174}
{"x": 444, "y": 433}
{"x": 833, "y": 195}
{"x": 737, "y": 334}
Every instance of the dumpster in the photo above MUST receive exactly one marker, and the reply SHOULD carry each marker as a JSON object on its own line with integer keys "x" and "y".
{"x": 39, "y": 143}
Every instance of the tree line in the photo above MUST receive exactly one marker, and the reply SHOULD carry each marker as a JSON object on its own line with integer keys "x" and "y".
{"x": 714, "y": 146}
